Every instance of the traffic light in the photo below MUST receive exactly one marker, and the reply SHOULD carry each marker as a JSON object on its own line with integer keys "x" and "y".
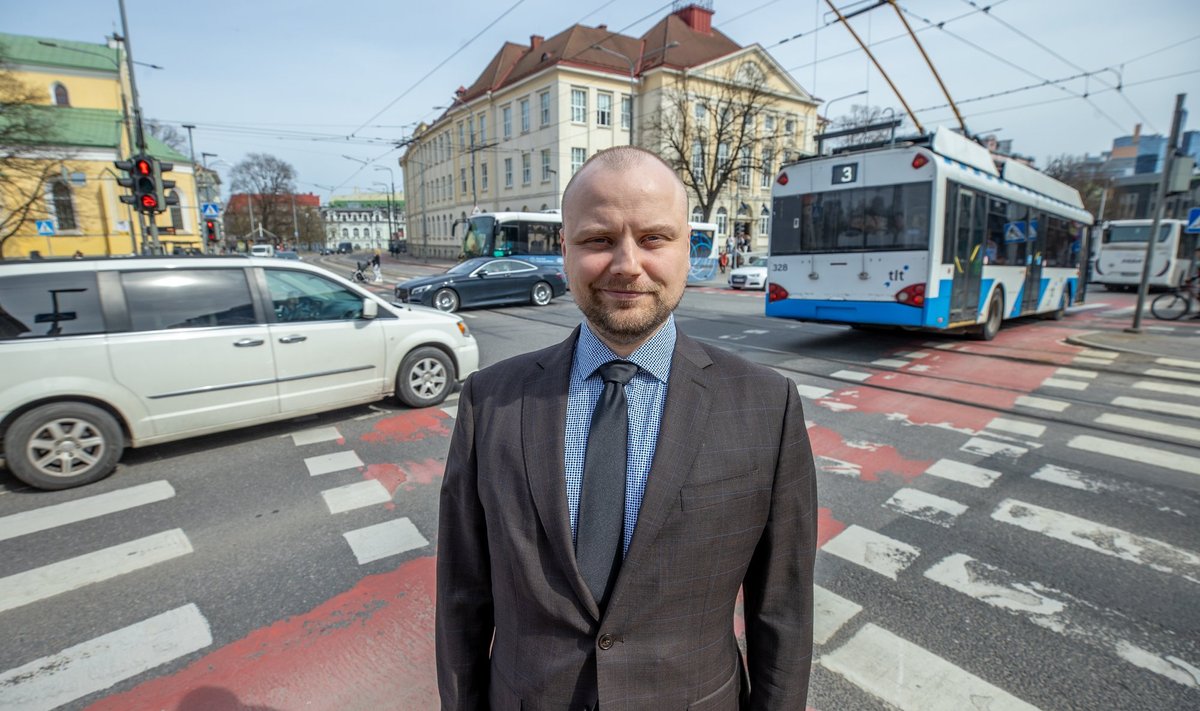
{"x": 128, "y": 179}
{"x": 146, "y": 196}
{"x": 210, "y": 231}
{"x": 162, "y": 185}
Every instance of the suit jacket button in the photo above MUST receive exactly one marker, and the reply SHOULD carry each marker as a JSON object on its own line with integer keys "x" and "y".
{"x": 606, "y": 641}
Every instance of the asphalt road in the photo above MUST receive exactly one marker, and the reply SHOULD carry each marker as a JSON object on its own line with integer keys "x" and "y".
{"x": 1004, "y": 525}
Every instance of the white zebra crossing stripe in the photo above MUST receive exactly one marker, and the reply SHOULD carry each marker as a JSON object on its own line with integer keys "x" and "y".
{"x": 1137, "y": 453}
{"x": 73, "y": 573}
{"x": 927, "y": 507}
{"x": 1076, "y": 373}
{"x": 1041, "y": 403}
{"x": 963, "y": 473}
{"x": 99, "y": 663}
{"x": 450, "y": 410}
{"x": 335, "y": 462}
{"x": 1178, "y": 363}
{"x": 890, "y": 363}
{"x": 1064, "y": 384}
{"x": 315, "y": 435}
{"x": 830, "y": 613}
{"x": 1173, "y": 374}
{"x": 1100, "y": 538}
{"x": 1027, "y": 429}
{"x": 873, "y": 551}
{"x": 1173, "y": 388}
{"x": 1140, "y": 424}
{"x": 911, "y": 678}
{"x": 355, "y": 496}
{"x": 1134, "y": 493}
{"x": 854, "y": 375}
{"x": 914, "y": 354}
{"x": 1084, "y": 360}
{"x": 812, "y": 392}
{"x": 1162, "y": 406}
{"x": 990, "y": 447}
{"x": 48, "y": 517}
{"x": 1096, "y": 353}
{"x": 384, "y": 539}
{"x": 1055, "y": 610}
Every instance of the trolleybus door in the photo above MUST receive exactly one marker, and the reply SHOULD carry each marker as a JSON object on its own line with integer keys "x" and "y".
{"x": 964, "y": 250}
{"x": 1034, "y": 257}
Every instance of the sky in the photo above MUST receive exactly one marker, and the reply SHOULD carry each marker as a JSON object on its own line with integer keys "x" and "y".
{"x": 311, "y": 82}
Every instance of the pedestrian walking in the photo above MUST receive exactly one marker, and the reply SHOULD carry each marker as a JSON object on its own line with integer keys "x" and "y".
{"x": 723, "y": 261}
{"x": 590, "y": 550}
{"x": 376, "y": 270}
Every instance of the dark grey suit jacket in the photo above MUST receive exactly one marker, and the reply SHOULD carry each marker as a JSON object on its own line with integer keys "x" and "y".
{"x": 730, "y": 502}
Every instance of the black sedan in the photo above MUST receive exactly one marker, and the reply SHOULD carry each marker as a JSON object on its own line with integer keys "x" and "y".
{"x": 485, "y": 281}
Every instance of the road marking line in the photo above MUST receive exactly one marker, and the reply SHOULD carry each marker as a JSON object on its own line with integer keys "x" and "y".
{"x": 990, "y": 447}
{"x": 812, "y": 392}
{"x": 1127, "y": 311}
{"x": 914, "y": 354}
{"x": 1041, "y": 403}
{"x": 911, "y": 678}
{"x": 451, "y": 411}
{"x": 315, "y": 435}
{"x": 890, "y": 363}
{"x": 1167, "y": 408}
{"x": 830, "y": 613}
{"x": 873, "y": 551}
{"x": 1134, "y": 493}
{"x": 1136, "y": 453}
{"x": 1096, "y": 353}
{"x": 1100, "y": 538}
{"x": 963, "y": 473}
{"x": 48, "y": 517}
{"x": 464, "y": 315}
{"x": 335, "y": 462}
{"x": 1084, "y": 360}
{"x": 1060, "y": 612}
{"x": 1064, "y": 384}
{"x": 74, "y": 573}
{"x": 355, "y": 496}
{"x": 1178, "y": 362}
{"x": 1172, "y": 388}
{"x": 1139, "y": 424}
{"x": 1162, "y": 329}
{"x": 384, "y": 539}
{"x": 1089, "y": 307}
{"x": 927, "y": 507}
{"x": 1027, "y": 429}
{"x": 1173, "y": 375}
{"x": 1076, "y": 373}
{"x": 99, "y": 663}
{"x": 851, "y": 375}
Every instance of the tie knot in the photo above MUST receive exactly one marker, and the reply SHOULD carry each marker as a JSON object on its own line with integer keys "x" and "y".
{"x": 617, "y": 371}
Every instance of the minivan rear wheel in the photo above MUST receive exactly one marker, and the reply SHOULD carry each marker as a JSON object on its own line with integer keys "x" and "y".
{"x": 62, "y": 445}
{"x": 425, "y": 378}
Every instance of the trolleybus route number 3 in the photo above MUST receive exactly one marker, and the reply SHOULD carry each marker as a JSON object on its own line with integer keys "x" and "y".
{"x": 845, "y": 173}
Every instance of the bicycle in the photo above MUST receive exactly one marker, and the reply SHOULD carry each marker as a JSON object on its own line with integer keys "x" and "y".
{"x": 1175, "y": 304}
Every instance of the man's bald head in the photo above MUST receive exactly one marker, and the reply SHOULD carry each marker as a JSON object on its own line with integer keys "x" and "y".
{"x": 620, "y": 159}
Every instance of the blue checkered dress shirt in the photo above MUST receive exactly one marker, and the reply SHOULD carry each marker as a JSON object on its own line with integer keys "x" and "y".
{"x": 646, "y": 394}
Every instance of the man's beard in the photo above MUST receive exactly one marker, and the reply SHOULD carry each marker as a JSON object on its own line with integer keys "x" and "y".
{"x": 632, "y": 324}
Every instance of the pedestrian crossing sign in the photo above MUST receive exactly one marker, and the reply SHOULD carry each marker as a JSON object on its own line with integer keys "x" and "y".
{"x": 45, "y": 228}
{"x": 210, "y": 209}
{"x": 1193, "y": 225}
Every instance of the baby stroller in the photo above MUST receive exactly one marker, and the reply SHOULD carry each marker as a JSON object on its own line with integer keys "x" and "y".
{"x": 359, "y": 273}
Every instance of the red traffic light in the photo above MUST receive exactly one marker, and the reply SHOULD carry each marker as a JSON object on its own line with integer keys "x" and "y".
{"x": 149, "y": 202}
{"x": 142, "y": 167}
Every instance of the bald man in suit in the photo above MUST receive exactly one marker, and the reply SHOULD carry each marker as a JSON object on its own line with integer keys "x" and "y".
{"x": 594, "y": 529}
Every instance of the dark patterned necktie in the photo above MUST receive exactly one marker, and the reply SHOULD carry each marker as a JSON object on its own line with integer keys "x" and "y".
{"x": 598, "y": 541}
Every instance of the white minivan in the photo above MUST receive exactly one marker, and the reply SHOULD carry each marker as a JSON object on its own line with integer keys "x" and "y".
{"x": 262, "y": 250}
{"x": 101, "y": 354}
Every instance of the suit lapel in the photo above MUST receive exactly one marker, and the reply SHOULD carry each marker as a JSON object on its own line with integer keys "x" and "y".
{"x": 685, "y": 414}
{"x": 543, "y": 427}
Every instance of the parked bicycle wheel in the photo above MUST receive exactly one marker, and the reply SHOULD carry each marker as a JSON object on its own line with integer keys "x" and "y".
{"x": 1170, "y": 307}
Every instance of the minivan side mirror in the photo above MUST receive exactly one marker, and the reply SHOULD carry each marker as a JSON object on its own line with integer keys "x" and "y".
{"x": 370, "y": 309}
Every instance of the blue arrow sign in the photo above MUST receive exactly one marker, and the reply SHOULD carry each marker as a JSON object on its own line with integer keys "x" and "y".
{"x": 1193, "y": 225}
{"x": 45, "y": 227}
{"x": 210, "y": 209}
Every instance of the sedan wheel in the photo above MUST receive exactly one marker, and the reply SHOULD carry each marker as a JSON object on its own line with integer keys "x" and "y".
{"x": 541, "y": 294}
{"x": 446, "y": 300}
{"x": 425, "y": 378}
{"x": 62, "y": 445}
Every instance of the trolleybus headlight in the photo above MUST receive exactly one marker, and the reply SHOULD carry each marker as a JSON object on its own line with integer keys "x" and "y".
{"x": 912, "y": 295}
{"x": 919, "y": 160}
{"x": 776, "y": 292}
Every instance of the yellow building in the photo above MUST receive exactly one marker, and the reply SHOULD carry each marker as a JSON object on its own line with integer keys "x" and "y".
{"x": 83, "y": 91}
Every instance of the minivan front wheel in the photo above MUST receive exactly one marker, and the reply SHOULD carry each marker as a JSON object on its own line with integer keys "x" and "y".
{"x": 425, "y": 378}
{"x": 63, "y": 444}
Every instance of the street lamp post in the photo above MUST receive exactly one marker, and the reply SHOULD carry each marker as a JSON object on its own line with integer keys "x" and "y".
{"x": 391, "y": 196}
{"x": 196, "y": 186}
{"x": 633, "y": 79}
{"x": 832, "y": 101}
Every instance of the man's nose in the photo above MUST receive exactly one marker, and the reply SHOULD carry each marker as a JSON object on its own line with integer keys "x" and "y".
{"x": 626, "y": 256}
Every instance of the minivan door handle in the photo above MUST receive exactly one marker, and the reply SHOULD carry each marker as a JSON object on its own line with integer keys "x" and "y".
{"x": 293, "y": 339}
{"x": 248, "y": 342}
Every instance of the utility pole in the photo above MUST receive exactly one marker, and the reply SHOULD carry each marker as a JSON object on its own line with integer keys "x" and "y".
{"x": 137, "y": 117}
{"x": 1152, "y": 239}
{"x": 196, "y": 186}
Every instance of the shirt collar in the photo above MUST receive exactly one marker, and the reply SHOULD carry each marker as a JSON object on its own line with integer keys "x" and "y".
{"x": 653, "y": 356}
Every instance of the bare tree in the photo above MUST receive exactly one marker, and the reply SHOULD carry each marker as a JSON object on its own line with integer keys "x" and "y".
{"x": 26, "y": 132}
{"x": 714, "y": 146}
{"x": 860, "y": 116}
{"x": 1088, "y": 177}
{"x": 268, "y": 184}
{"x": 168, "y": 134}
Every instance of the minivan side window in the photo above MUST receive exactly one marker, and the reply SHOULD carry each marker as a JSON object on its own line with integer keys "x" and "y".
{"x": 302, "y": 296}
{"x": 49, "y": 305}
{"x": 187, "y": 298}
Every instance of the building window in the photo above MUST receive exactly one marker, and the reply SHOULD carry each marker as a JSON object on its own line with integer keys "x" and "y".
{"x": 461, "y": 142}
{"x": 722, "y": 221}
{"x": 579, "y": 105}
{"x": 764, "y": 221}
{"x": 697, "y": 158}
{"x": 722, "y": 155}
{"x": 176, "y": 211}
{"x": 604, "y": 109}
{"x": 61, "y": 97}
{"x": 789, "y": 127}
{"x": 524, "y": 115}
{"x": 578, "y": 156}
{"x": 508, "y": 172}
{"x": 506, "y": 114}
{"x": 356, "y": 233}
{"x": 700, "y": 112}
{"x": 545, "y": 164}
{"x": 744, "y": 168}
{"x": 544, "y": 102}
{"x": 483, "y": 180}
{"x": 626, "y": 112}
{"x": 62, "y": 206}
{"x": 526, "y": 168}
{"x": 471, "y": 129}
{"x": 345, "y": 231}
{"x": 462, "y": 175}
{"x": 768, "y": 168}
{"x": 769, "y": 124}
{"x": 483, "y": 128}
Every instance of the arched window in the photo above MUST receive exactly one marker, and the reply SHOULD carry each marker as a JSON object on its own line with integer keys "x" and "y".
{"x": 764, "y": 221}
{"x": 176, "y": 212}
{"x": 345, "y": 232}
{"x": 722, "y": 221}
{"x": 61, "y": 97}
{"x": 697, "y": 214}
{"x": 62, "y": 206}
{"x": 356, "y": 232}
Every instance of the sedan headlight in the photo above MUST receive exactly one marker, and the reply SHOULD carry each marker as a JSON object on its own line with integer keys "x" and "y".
{"x": 417, "y": 290}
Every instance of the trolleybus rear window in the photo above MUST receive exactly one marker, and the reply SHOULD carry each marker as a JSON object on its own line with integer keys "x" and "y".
{"x": 893, "y": 217}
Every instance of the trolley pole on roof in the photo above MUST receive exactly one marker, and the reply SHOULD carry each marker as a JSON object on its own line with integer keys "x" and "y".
{"x": 900, "y": 13}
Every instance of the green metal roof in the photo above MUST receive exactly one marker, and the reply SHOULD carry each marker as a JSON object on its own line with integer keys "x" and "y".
{"x": 162, "y": 151}
{"x": 94, "y": 128}
{"x": 23, "y": 49}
